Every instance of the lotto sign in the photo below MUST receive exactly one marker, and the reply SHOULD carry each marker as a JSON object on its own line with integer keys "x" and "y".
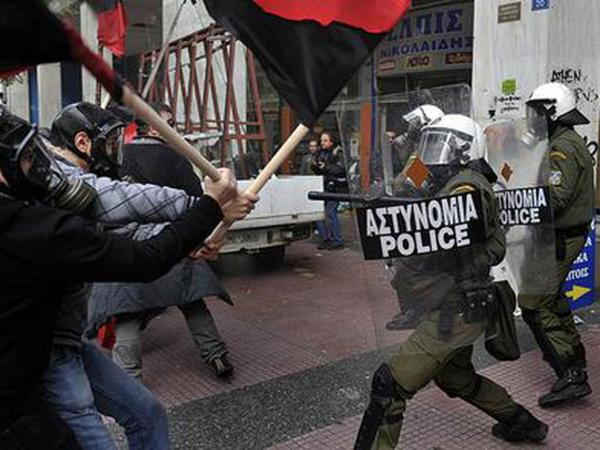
{"x": 538, "y": 5}
{"x": 579, "y": 285}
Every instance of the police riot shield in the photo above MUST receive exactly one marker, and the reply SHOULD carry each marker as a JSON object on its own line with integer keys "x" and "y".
{"x": 518, "y": 153}
{"x": 425, "y": 217}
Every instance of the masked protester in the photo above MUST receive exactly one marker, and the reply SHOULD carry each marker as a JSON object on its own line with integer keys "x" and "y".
{"x": 452, "y": 290}
{"x": 43, "y": 251}
{"x": 405, "y": 146}
{"x": 572, "y": 192}
{"x": 115, "y": 394}
{"x": 94, "y": 135}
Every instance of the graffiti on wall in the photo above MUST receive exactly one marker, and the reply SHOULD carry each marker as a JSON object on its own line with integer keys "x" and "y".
{"x": 587, "y": 94}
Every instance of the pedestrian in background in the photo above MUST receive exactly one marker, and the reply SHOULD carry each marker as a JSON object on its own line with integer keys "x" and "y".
{"x": 329, "y": 162}
{"x": 307, "y": 162}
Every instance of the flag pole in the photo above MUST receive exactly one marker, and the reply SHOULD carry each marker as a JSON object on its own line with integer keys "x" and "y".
{"x": 263, "y": 177}
{"x": 175, "y": 141}
{"x": 121, "y": 92}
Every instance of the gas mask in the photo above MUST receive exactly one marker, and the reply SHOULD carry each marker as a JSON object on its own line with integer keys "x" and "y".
{"x": 103, "y": 129}
{"x": 538, "y": 125}
{"x": 107, "y": 157}
{"x": 33, "y": 174}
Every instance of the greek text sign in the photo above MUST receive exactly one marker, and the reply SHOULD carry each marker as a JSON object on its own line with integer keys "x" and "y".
{"x": 510, "y": 12}
{"x": 421, "y": 227}
{"x": 579, "y": 285}
{"x": 524, "y": 206}
{"x": 431, "y": 39}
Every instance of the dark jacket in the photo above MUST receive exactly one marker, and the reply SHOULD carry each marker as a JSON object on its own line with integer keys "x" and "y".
{"x": 42, "y": 250}
{"x": 149, "y": 160}
{"x": 117, "y": 203}
{"x": 333, "y": 170}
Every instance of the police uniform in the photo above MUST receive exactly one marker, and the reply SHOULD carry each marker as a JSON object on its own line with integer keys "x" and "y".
{"x": 441, "y": 347}
{"x": 572, "y": 189}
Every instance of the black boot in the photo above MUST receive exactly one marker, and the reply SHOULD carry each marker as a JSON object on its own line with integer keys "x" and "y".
{"x": 221, "y": 366}
{"x": 521, "y": 427}
{"x": 571, "y": 386}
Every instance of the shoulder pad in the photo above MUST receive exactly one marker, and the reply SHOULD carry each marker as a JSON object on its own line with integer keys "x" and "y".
{"x": 462, "y": 188}
{"x": 558, "y": 154}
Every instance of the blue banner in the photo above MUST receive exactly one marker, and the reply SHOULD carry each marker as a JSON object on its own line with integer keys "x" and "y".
{"x": 579, "y": 285}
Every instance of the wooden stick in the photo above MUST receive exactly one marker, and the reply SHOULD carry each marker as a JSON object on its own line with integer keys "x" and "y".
{"x": 175, "y": 141}
{"x": 263, "y": 177}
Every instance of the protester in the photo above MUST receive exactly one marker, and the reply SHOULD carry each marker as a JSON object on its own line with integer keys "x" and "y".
{"x": 78, "y": 128}
{"x": 134, "y": 305}
{"x": 43, "y": 251}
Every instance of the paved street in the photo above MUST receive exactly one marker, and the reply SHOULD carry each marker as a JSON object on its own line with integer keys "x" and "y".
{"x": 303, "y": 344}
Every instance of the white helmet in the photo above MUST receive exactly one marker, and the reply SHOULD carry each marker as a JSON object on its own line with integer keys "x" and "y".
{"x": 452, "y": 138}
{"x": 558, "y": 102}
{"x": 423, "y": 115}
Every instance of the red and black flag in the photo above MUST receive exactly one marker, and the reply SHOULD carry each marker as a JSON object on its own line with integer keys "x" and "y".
{"x": 34, "y": 35}
{"x": 112, "y": 26}
{"x": 309, "y": 49}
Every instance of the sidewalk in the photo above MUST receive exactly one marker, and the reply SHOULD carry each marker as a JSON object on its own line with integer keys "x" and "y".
{"x": 304, "y": 347}
{"x": 435, "y": 421}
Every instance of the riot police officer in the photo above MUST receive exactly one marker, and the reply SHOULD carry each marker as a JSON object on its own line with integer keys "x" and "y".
{"x": 404, "y": 146}
{"x": 406, "y": 143}
{"x": 440, "y": 349}
{"x": 572, "y": 191}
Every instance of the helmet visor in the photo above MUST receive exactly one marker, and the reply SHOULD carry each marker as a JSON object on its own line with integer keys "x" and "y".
{"x": 439, "y": 146}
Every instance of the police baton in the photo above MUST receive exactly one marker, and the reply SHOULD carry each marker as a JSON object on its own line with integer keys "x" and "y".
{"x": 361, "y": 200}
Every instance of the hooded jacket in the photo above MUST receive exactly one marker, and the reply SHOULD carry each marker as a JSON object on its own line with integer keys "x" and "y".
{"x": 42, "y": 250}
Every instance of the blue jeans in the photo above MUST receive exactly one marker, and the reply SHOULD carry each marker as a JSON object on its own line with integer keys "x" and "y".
{"x": 329, "y": 229}
{"x": 80, "y": 384}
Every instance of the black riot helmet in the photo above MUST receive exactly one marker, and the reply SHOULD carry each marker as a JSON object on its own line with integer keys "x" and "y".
{"x": 31, "y": 170}
{"x": 104, "y": 129}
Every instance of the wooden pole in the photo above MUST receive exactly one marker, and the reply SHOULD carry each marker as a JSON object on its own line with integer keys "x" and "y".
{"x": 175, "y": 141}
{"x": 280, "y": 157}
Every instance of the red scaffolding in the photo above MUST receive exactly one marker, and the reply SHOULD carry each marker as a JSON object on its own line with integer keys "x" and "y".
{"x": 193, "y": 70}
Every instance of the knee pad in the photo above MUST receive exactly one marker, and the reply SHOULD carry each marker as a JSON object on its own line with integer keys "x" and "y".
{"x": 383, "y": 384}
{"x": 384, "y": 391}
